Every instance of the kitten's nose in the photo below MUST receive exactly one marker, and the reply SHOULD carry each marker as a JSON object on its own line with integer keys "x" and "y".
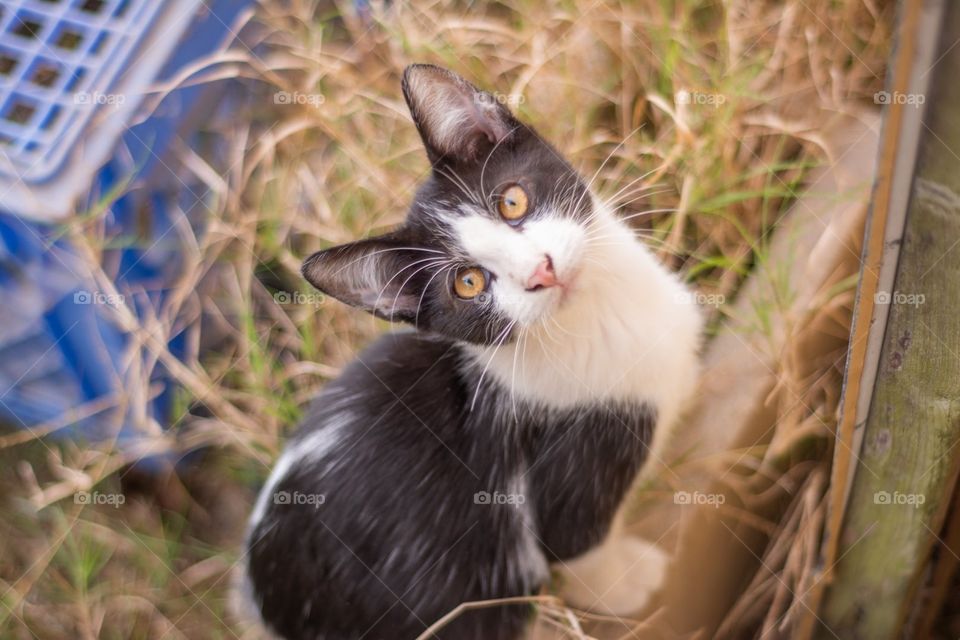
{"x": 543, "y": 276}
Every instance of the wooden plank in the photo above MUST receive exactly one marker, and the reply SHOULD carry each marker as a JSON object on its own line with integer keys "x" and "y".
{"x": 907, "y": 466}
{"x": 902, "y": 126}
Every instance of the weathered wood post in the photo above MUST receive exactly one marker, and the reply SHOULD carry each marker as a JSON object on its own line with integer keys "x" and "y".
{"x": 897, "y": 455}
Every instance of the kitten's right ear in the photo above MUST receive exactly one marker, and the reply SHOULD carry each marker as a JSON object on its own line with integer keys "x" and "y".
{"x": 455, "y": 119}
{"x": 382, "y": 275}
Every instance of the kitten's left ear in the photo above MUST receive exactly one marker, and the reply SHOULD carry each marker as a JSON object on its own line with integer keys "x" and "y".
{"x": 454, "y": 118}
{"x": 382, "y": 275}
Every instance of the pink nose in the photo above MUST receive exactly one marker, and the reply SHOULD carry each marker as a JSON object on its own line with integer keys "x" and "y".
{"x": 543, "y": 276}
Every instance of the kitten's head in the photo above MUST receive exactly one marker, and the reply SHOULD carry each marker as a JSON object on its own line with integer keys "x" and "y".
{"x": 495, "y": 237}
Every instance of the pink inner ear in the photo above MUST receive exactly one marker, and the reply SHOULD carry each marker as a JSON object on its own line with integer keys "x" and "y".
{"x": 453, "y": 113}
{"x": 487, "y": 118}
{"x": 471, "y": 114}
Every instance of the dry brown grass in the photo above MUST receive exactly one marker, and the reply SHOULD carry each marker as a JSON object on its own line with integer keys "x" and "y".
{"x": 600, "y": 79}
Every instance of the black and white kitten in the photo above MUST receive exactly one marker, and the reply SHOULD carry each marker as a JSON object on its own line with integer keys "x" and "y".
{"x": 464, "y": 460}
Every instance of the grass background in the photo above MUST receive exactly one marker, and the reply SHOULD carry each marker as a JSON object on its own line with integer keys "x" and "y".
{"x": 700, "y": 118}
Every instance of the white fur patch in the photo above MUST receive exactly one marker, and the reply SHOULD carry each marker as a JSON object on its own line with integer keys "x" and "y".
{"x": 530, "y": 562}
{"x": 627, "y": 328}
{"x": 616, "y": 578}
{"x": 313, "y": 447}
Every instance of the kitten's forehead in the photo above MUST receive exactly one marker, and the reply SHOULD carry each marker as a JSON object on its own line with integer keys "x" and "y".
{"x": 456, "y": 190}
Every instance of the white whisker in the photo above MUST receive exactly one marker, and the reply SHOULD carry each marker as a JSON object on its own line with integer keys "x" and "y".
{"x": 498, "y": 342}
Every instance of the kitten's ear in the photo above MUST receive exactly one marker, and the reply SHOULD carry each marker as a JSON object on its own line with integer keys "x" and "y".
{"x": 455, "y": 119}
{"x": 382, "y": 275}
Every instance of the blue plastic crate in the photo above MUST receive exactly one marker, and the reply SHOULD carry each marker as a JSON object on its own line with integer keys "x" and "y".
{"x": 65, "y": 140}
{"x": 72, "y": 74}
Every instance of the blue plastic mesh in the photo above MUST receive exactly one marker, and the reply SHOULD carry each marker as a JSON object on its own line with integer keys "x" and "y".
{"x": 59, "y": 60}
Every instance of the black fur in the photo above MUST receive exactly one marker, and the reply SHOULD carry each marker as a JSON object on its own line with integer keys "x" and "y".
{"x": 399, "y": 539}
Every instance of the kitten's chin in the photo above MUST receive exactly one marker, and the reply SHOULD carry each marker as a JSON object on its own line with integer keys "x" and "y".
{"x": 553, "y": 306}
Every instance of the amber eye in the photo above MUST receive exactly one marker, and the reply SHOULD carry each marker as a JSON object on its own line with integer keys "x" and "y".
{"x": 469, "y": 283}
{"x": 513, "y": 203}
